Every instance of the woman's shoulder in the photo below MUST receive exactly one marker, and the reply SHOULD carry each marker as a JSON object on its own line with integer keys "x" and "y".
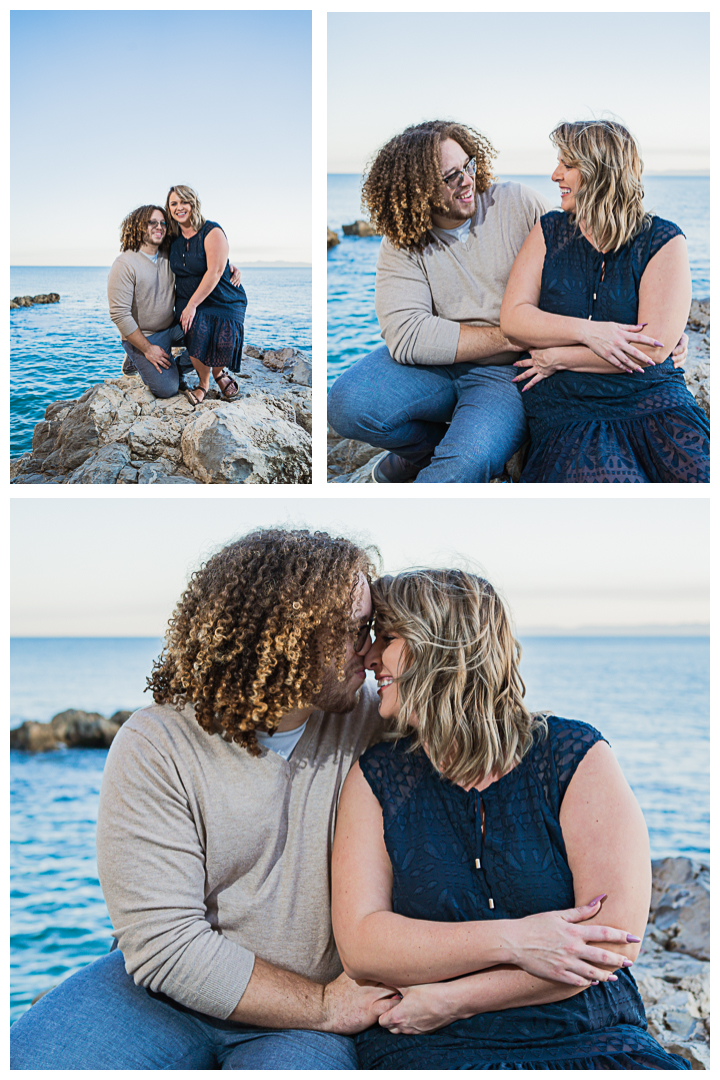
{"x": 559, "y": 747}
{"x": 657, "y": 232}
{"x": 391, "y": 768}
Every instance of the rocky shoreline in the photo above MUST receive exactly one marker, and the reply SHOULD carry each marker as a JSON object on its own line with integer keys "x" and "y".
{"x": 351, "y": 462}
{"x": 118, "y": 432}
{"x": 29, "y": 301}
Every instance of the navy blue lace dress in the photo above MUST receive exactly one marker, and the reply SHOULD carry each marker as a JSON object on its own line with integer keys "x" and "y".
{"x": 624, "y": 429}
{"x": 216, "y": 335}
{"x": 433, "y": 834}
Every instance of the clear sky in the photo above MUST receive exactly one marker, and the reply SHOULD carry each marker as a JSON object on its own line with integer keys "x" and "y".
{"x": 115, "y": 567}
{"x": 514, "y": 76}
{"x": 109, "y": 109}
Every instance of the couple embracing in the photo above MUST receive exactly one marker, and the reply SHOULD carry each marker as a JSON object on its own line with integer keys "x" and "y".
{"x": 490, "y": 867}
{"x": 173, "y": 285}
{"x": 481, "y": 287}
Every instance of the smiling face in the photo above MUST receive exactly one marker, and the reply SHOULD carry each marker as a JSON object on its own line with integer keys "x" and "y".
{"x": 569, "y": 180}
{"x": 156, "y": 228}
{"x": 180, "y": 210}
{"x": 386, "y": 659}
{"x": 459, "y": 193}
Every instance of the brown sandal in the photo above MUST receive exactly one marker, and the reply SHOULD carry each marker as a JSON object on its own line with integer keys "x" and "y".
{"x": 225, "y": 380}
{"x": 191, "y": 395}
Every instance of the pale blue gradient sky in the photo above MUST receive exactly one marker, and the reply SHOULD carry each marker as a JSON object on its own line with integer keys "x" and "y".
{"x": 115, "y": 567}
{"x": 109, "y": 109}
{"x": 515, "y": 76}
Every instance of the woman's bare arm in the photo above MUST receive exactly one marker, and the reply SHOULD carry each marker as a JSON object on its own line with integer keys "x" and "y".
{"x": 376, "y": 944}
{"x": 216, "y": 253}
{"x": 606, "y": 842}
{"x": 523, "y": 323}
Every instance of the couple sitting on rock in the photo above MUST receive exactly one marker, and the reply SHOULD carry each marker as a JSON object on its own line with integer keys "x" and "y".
{"x": 471, "y": 848}
{"x": 482, "y": 287}
{"x": 174, "y": 286}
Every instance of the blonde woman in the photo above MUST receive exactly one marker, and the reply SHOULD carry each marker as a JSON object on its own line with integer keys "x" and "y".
{"x": 210, "y": 309}
{"x": 485, "y": 858}
{"x": 599, "y": 293}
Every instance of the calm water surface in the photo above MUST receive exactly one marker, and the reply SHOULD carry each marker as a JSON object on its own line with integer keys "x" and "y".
{"x": 59, "y": 350}
{"x": 353, "y": 329}
{"x": 649, "y": 696}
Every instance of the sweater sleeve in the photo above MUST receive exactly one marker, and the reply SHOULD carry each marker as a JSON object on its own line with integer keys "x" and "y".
{"x": 151, "y": 863}
{"x": 403, "y": 302}
{"x": 121, "y": 293}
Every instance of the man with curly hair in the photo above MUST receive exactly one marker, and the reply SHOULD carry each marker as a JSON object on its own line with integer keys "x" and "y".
{"x": 141, "y": 295}
{"x": 450, "y": 236}
{"x": 215, "y": 830}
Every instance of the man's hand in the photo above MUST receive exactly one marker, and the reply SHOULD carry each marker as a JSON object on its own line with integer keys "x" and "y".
{"x": 158, "y": 358}
{"x": 234, "y": 275}
{"x": 350, "y": 1008}
{"x": 680, "y": 352}
{"x": 420, "y": 1009}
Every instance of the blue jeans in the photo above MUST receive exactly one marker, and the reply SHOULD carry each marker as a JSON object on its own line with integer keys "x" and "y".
{"x": 407, "y": 409}
{"x": 99, "y": 1019}
{"x": 163, "y": 383}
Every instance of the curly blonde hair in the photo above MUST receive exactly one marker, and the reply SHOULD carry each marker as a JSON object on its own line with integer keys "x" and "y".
{"x": 460, "y": 690}
{"x": 187, "y": 195}
{"x": 609, "y": 201}
{"x": 134, "y": 227}
{"x": 404, "y": 185}
{"x": 256, "y": 629}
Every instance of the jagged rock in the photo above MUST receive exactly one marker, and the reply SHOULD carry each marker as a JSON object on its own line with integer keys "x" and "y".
{"x": 252, "y": 441}
{"x": 119, "y": 433}
{"x": 360, "y": 228}
{"x": 33, "y": 736}
{"x": 697, "y": 380}
{"x": 71, "y": 728}
{"x": 332, "y": 238}
{"x": 672, "y": 971}
{"x": 41, "y": 298}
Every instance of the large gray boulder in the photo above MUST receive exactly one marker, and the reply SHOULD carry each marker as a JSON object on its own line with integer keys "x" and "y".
{"x": 117, "y": 432}
{"x": 673, "y": 970}
{"x": 72, "y": 728}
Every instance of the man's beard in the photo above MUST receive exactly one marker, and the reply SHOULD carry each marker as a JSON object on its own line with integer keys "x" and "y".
{"x": 336, "y": 696}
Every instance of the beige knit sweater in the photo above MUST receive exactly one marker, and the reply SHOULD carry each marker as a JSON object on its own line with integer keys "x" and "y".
{"x": 422, "y": 298}
{"x": 141, "y": 294}
{"x": 208, "y": 856}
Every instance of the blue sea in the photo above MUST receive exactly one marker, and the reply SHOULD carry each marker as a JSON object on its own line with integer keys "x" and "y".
{"x": 58, "y": 350}
{"x": 649, "y": 697}
{"x": 352, "y": 328}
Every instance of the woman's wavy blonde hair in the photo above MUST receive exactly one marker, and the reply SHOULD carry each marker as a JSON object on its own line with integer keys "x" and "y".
{"x": 187, "y": 195}
{"x": 460, "y": 679}
{"x": 404, "y": 185}
{"x": 254, "y": 632}
{"x": 609, "y": 202}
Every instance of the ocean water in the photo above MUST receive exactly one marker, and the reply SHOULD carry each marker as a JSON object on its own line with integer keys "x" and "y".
{"x": 58, "y": 350}
{"x": 649, "y": 696}
{"x": 353, "y": 330}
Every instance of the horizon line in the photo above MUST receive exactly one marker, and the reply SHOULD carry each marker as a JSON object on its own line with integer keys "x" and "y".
{"x": 522, "y": 172}
{"x": 700, "y": 630}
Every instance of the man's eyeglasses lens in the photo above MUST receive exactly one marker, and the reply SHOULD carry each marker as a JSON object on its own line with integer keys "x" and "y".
{"x": 456, "y": 177}
{"x": 361, "y": 636}
{"x": 158, "y": 225}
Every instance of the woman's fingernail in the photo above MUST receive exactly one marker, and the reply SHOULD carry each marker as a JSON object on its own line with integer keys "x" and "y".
{"x": 627, "y": 963}
{"x": 659, "y": 345}
{"x": 595, "y": 982}
{"x": 612, "y": 978}
{"x": 632, "y": 939}
{"x": 597, "y": 900}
